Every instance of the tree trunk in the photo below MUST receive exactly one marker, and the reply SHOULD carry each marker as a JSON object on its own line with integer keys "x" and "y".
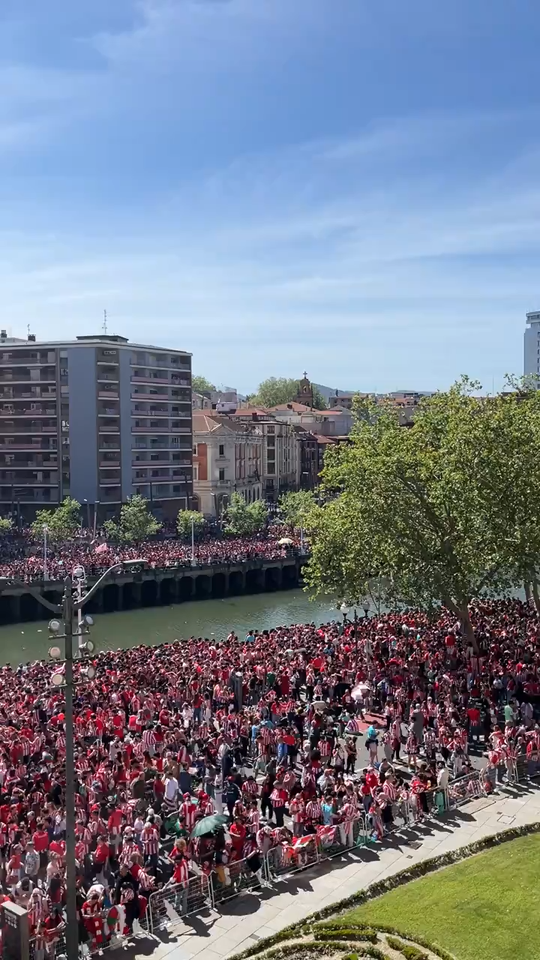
{"x": 527, "y": 588}
{"x": 535, "y": 594}
{"x": 462, "y": 611}
{"x": 468, "y": 630}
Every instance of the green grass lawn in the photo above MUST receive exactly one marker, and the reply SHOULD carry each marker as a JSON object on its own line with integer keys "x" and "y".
{"x": 485, "y": 908}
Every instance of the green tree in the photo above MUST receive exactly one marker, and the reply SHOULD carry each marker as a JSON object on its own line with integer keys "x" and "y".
{"x": 436, "y": 510}
{"x": 243, "y": 519}
{"x": 184, "y": 520}
{"x": 295, "y": 507}
{"x": 62, "y": 523}
{"x": 136, "y": 523}
{"x": 277, "y": 390}
{"x": 201, "y": 385}
{"x": 6, "y": 525}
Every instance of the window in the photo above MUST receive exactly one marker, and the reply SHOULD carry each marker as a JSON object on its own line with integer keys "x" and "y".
{"x": 196, "y": 471}
{"x": 194, "y": 445}
{"x": 221, "y": 474}
{"x": 222, "y": 450}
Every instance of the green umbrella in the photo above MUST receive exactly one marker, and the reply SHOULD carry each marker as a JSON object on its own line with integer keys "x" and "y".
{"x": 208, "y": 824}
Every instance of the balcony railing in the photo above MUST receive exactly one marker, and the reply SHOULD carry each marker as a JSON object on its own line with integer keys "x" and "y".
{"x": 152, "y": 431}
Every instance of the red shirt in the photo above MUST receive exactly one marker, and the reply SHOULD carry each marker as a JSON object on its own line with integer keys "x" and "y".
{"x": 41, "y": 841}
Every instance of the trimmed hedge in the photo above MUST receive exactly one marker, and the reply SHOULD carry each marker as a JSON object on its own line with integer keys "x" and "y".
{"x": 347, "y": 933}
{"x": 384, "y": 886}
{"x": 408, "y": 951}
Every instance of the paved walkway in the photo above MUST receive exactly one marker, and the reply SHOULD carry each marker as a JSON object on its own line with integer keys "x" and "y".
{"x": 250, "y": 917}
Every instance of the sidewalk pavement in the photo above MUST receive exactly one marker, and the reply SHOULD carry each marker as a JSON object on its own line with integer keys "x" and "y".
{"x": 250, "y": 917}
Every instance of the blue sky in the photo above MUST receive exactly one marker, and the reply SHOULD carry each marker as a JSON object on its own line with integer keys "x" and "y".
{"x": 350, "y": 187}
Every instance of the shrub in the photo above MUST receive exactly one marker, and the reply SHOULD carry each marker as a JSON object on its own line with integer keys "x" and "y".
{"x": 408, "y": 951}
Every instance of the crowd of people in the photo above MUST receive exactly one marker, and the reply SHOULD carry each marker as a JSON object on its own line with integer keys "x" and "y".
{"x": 296, "y": 735}
{"x": 24, "y": 559}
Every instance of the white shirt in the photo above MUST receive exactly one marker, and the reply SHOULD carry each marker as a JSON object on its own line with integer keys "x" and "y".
{"x": 171, "y": 788}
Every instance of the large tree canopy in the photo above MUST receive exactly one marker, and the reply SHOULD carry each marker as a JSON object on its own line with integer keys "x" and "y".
{"x": 295, "y": 507}
{"x": 201, "y": 384}
{"x": 277, "y": 390}
{"x": 136, "y": 522}
{"x": 243, "y": 519}
{"x": 442, "y": 511}
{"x": 62, "y": 523}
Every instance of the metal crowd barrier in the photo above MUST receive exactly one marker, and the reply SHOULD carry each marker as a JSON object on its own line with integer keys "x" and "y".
{"x": 174, "y": 901}
{"x": 204, "y": 892}
{"x": 238, "y": 876}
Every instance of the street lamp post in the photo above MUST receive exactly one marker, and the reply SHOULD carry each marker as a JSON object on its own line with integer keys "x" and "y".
{"x": 368, "y": 641}
{"x": 69, "y": 607}
{"x": 96, "y": 508}
{"x": 193, "y": 541}
{"x": 45, "y": 570}
{"x": 344, "y": 610}
{"x": 87, "y": 502}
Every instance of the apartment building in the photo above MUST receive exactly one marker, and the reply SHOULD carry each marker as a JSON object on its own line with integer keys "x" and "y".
{"x": 226, "y": 459}
{"x": 531, "y": 345}
{"x": 97, "y": 418}
{"x": 280, "y": 451}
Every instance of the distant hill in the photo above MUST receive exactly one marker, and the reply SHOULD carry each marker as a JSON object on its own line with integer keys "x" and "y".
{"x": 328, "y": 392}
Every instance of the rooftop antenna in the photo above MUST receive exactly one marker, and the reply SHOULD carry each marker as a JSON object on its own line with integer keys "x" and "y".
{"x": 105, "y": 322}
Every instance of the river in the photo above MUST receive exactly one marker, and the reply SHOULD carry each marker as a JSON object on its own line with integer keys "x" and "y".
{"x": 22, "y": 642}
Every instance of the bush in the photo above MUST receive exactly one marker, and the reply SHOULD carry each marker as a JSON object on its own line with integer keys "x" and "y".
{"x": 347, "y": 933}
{"x": 408, "y": 951}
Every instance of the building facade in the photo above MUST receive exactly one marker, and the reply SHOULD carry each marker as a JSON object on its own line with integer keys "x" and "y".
{"x": 280, "y": 452}
{"x": 97, "y": 419}
{"x": 227, "y": 459}
{"x": 531, "y": 345}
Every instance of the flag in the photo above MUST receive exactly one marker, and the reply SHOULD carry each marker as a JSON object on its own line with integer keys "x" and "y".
{"x": 102, "y": 548}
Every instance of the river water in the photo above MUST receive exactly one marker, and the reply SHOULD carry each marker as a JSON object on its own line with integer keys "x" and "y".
{"x": 22, "y": 642}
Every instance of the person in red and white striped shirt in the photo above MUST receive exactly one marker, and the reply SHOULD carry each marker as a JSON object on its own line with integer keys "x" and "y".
{"x": 149, "y": 741}
{"x": 314, "y": 811}
{"x": 150, "y": 843}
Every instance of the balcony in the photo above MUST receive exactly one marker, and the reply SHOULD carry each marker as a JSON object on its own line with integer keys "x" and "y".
{"x": 145, "y": 464}
{"x": 19, "y": 381}
{"x": 40, "y": 464}
{"x": 136, "y": 378}
{"x": 108, "y": 395}
{"x": 41, "y": 497}
{"x": 107, "y": 378}
{"x": 152, "y": 431}
{"x": 152, "y": 397}
{"x": 108, "y": 412}
{"x": 108, "y": 428}
{"x": 25, "y": 447}
{"x": 18, "y": 482}
{"x": 109, "y": 446}
{"x": 108, "y": 464}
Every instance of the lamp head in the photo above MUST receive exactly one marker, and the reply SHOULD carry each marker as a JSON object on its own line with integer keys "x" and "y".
{"x": 54, "y": 626}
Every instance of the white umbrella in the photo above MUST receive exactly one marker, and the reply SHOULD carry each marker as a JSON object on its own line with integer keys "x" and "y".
{"x": 285, "y": 542}
{"x": 319, "y": 704}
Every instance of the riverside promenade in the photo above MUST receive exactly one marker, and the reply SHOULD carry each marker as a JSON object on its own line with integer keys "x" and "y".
{"x": 252, "y": 916}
